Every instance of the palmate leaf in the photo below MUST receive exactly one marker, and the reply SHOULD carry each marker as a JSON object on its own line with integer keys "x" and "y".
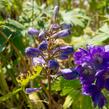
{"x": 65, "y": 86}
{"x": 76, "y": 17}
{"x": 72, "y": 90}
{"x": 101, "y": 35}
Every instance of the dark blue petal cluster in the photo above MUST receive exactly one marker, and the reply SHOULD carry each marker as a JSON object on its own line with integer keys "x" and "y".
{"x": 97, "y": 96}
{"x": 65, "y": 51}
{"x": 93, "y": 68}
{"x": 53, "y": 65}
{"x": 32, "y": 52}
{"x": 43, "y": 45}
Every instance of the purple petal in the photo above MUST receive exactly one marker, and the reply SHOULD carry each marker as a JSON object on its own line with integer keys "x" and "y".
{"x": 38, "y": 61}
{"x": 69, "y": 74}
{"x": 62, "y": 34}
{"x": 43, "y": 45}
{"x": 31, "y": 90}
{"x": 99, "y": 99}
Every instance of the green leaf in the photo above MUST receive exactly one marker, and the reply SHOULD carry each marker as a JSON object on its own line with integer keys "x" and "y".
{"x": 101, "y": 35}
{"x": 86, "y": 102}
{"x": 30, "y": 76}
{"x": 71, "y": 98}
{"x": 65, "y": 86}
{"x": 77, "y": 17}
{"x": 68, "y": 102}
{"x": 14, "y": 29}
{"x": 13, "y": 24}
{"x": 9, "y": 95}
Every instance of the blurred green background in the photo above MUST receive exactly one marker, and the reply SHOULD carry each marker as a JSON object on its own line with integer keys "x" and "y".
{"x": 90, "y": 25}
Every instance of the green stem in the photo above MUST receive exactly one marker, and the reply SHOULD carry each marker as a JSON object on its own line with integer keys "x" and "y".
{"x": 49, "y": 90}
{"x": 4, "y": 86}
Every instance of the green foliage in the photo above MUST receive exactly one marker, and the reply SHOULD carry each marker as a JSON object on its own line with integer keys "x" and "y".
{"x": 90, "y": 25}
{"x": 77, "y": 17}
{"x": 72, "y": 90}
{"x": 10, "y": 94}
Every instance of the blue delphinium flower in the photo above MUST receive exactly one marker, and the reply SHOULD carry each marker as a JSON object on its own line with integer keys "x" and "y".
{"x": 53, "y": 65}
{"x": 63, "y": 56}
{"x": 32, "y": 31}
{"x": 43, "y": 45}
{"x": 65, "y": 51}
{"x": 42, "y": 35}
{"x": 66, "y": 26}
{"x": 87, "y": 74}
{"x": 103, "y": 79}
{"x": 62, "y": 33}
{"x": 97, "y": 97}
{"x": 69, "y": 74}
{"x": 31, "y": 90}
{"x": 93, "y": 69}
{"x": 32, "y": 52}
{"x": 54, "y": 26}
{"x": 38, "y": 61}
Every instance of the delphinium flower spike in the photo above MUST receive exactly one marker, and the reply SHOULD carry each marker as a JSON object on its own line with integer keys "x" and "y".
{"x": 49, "y": 54}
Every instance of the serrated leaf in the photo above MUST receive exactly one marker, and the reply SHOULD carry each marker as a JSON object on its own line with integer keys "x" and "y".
{"x": 30, "y": 76}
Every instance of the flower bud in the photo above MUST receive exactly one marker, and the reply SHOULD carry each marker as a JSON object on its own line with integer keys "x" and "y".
{"x": 53, "y": 65}
{"x": 66, "y": 26}
{"x": 66, "y": 50}
{"x": 63, "y": 56}
{"x": 54, "y": 26}
{"x": 38, "y": 61}
{"x": 41, "y": 35}
{"x": 69, "y": 74}
{"x": 43, "y": 45}
{"x": 31, "y": 90}
{"x": 32, "y": 31}
{"x": 56, "y": 11}
{"x": 62, "y": 33}
{"x": 32, "y": 52}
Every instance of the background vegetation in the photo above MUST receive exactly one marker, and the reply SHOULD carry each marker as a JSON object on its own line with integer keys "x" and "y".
{"x": 90, "y": 25}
